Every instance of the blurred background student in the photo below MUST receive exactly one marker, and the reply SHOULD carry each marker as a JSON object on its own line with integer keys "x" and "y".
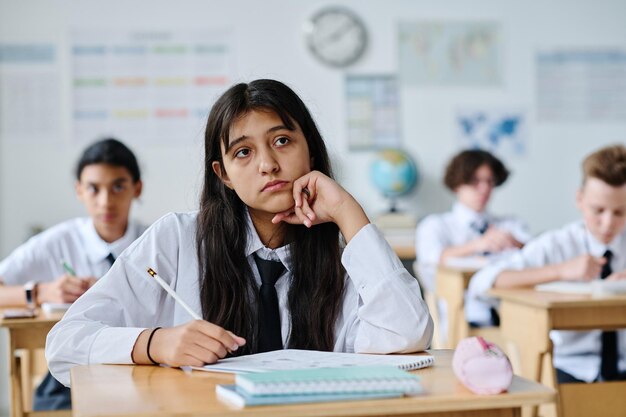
{"x": 590, "y": 248}
{"x": 61, "y": 263}
{"x": 468, "y": 229}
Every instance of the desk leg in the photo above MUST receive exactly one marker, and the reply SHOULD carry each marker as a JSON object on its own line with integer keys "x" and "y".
{"x": 528, "y": 330}
{"x": 15, "y": 372}
{"x": 450, "y": 287}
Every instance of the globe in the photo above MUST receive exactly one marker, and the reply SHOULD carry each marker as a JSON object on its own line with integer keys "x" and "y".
{"x": 394, "y": 173}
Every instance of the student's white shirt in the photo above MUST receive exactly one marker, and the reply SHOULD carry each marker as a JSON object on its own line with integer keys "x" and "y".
{"x": 460, "y": 225}
{"x": 74, "y": 241}
{"x": 577, "y": 353}
{"x": 382, "y": 309}
{"x": 437, "y": 232}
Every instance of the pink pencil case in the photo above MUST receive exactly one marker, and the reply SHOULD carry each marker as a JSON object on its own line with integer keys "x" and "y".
{"x": 482, "y": 366}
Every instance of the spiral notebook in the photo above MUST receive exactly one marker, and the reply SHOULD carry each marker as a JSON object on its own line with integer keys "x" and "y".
{"x": 234, "y": 395}
{"x": 287, "y": 359}
{"x": 342, "y": 380}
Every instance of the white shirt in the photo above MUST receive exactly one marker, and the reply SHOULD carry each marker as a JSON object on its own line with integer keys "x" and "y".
{"x": 74, "y": 241}
{"x": 382, "y": 310}
{"x": 577, "y": 353}
{"x": 437, "y": 232}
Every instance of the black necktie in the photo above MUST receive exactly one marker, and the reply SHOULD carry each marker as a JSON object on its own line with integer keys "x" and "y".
{"x": 269, "y": 316}
{"x": 608, "y": 362}
{"x": 480, "y": 226}
{"x": 111, "y": 259}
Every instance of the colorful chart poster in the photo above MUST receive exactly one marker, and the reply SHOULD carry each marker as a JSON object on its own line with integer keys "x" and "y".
{"x": 153, "y": 87}
{"x": 497, "y": 130}
{"x": 581, "y": 85}
{"x": 29, "y": 93}
{"x": 372, "y": 111}
{"x": 450, "y": 53}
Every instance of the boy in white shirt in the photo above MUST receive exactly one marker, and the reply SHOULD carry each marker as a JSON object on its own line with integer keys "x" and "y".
{"x": 588, "y": 249}
{"x": 61, "y": 263}
{"x": 469, "y": 228}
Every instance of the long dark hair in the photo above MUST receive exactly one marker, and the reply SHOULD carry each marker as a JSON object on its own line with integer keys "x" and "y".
{"x": 227, "y": 288}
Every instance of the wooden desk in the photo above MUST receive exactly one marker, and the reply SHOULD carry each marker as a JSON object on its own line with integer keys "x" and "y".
{"x": 402, "y": 241}
{"x": 450, "y": 286}
{"x": 404, "y": 252}
{"x": 25, "y": 337}
{"x": 527, "y": 317}
{"x": 118, "y": 390}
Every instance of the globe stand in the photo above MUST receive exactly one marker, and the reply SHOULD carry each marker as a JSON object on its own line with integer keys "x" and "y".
{"x": 393, "y": 205}
{"x": 394, "y": 218}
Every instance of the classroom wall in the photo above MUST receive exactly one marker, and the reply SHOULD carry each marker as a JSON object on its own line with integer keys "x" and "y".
{"x": 36, "y": 184}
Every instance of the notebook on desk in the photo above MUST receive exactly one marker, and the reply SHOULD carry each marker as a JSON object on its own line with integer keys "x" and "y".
{"x": 596, "y": 287}
{"x": 233, "y": 395}
{"x": 351, "y": 379}
{"x": 55, "y": 307}
{"x": 467, "y": 262}
{"x": 280, "y": 360}
{"x": 319, "y": 384}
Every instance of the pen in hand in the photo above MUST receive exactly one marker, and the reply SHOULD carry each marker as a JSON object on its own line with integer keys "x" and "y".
{"x": 68, "y": 268}
{"x": 85, "y": 282}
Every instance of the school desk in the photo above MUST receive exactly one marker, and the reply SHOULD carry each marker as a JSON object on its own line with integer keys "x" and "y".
{"x": 451, "y": 282}
{"x": 402, "y": 241}
{"x": 123, "y": 390}
{"x": 450, "y": 286}
{"x": 27, "y": 336}
{"x": 405, "y": 252}
{"x": 526, "y": 319}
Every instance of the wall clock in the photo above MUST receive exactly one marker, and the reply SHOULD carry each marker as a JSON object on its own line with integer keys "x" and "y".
{"x": 336, "y": 36}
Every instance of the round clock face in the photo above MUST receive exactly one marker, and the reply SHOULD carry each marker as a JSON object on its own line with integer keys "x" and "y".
{"x": 336, "y": 36}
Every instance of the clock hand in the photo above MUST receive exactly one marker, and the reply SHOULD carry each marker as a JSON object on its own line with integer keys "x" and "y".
{"x": 337, "y": 34}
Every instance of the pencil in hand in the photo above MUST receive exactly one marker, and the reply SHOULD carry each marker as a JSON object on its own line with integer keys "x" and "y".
{"x": 171, "y": 292}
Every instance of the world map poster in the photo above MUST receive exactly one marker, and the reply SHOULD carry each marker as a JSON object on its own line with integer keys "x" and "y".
{"x": 450, "y": 53}
{"x": 498, "y": 130}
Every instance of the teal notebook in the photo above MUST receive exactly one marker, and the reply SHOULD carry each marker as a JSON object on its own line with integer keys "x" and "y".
{"x": 237, "y": 397}
{"x": 341, "y": 380}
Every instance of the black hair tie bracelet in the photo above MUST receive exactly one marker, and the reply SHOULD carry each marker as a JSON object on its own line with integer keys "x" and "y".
{"x": 148, "y": 347}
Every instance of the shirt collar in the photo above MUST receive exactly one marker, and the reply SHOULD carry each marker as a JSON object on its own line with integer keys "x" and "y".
{"x": 597, "y": 248}
{"x": 467, "y": 216}
{"x": 254, "y": 245}
{"x": 97, "y": 249}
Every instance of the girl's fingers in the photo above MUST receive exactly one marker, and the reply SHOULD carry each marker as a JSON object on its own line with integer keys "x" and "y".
{"x": 308, "y": 213}
{"x": 302, "y": 217}
{"x": 197, "y": 352}
{"x": 190, "y": 360}
{"x": 218, "y": 333}
{"x": 304, "y": 189}
{"x": 240, "y": 340}
{"x": 292, "y": 218}
{"x": 282, "y": 217}
{"x": 213, "y": 346}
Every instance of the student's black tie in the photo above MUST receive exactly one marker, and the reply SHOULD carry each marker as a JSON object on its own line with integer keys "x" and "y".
{"x": 111, "y": 259}
{"x": 269, "y": 316}
{"x": 480, "y": 226}
{"x": 608, "y": 362}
